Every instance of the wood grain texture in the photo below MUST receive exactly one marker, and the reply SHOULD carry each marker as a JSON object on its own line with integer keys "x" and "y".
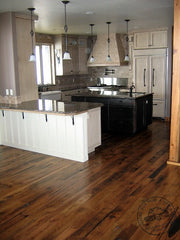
{"x": 44, "y": 197}
{"x": 175, "y": 107}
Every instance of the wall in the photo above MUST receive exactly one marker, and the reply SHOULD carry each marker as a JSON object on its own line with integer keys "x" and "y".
{"x": 26, "y": 69}
{"x": 17, "y": 73}
{"x": 8, "y": 69}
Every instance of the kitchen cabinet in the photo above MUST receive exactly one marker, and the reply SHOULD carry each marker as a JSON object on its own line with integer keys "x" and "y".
{"x": 122, "y": 115}
{"x": 104, "y": 109}
{"x": 77, "y": 47}
{"x": 82, "y": 54}
{"x": 66, "y": 136}
{"x": 152, "y": 39}
{"x": 144, "y": 112}
{"x": 150, "y": 76}
{"x": 70, "y": 66}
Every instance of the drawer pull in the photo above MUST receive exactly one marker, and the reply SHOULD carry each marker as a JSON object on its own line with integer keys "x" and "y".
{"x": 153, "y": 77}
{"x": 22, "y": 115}
{"x": 3, "y": 113}
{"x": 144, "y": 77}
{"x": 72, "y": 120}
{"x": 46, "y": 118}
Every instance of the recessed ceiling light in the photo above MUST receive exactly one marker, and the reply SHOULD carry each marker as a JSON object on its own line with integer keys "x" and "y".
{"x": 89, "y": 13}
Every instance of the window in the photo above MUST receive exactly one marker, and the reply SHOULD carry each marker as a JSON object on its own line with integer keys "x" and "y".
{"x": 45, "y": 71}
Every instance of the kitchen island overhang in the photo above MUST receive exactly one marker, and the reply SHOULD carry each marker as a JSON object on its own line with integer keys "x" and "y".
{"x": 69, "y": 130}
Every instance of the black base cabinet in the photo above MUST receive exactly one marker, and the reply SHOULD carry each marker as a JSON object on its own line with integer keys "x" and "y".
{"x": 122, "y": 115}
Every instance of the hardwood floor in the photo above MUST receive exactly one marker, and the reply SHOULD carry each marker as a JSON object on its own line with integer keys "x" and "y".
{"x": 126, "y": 191}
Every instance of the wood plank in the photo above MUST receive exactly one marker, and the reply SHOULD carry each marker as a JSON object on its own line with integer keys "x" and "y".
{"x": 44, "y": 197}
{"x": 175, "y": 108}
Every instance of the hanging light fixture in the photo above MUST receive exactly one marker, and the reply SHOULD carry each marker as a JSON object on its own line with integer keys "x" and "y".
{"x": 126, "y": 59}
{"x": 32, "y": 57}
{"x": 108, "y": 41}
{"x": 92, "y": 58}
{"x": 66, "y": 55}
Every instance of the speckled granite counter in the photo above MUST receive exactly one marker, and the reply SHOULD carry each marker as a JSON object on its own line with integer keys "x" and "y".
{"x": 51, "y": 106}
{"x": 111, "y": 94}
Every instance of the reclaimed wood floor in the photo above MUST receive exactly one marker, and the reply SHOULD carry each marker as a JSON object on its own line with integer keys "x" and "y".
{"x": 124, "y": 192}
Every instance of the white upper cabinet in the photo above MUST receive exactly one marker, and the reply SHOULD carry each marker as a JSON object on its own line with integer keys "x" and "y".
{"x": 153, "y": 39}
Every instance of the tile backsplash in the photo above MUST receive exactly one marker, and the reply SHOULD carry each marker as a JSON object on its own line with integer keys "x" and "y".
{"x": 68, "y": 82}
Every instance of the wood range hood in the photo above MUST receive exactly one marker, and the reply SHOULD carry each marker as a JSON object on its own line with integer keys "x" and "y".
{"x": 116, "y": 50}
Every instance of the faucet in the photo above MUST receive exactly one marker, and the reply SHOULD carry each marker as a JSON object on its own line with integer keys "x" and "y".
{"x": 131, "y": 88}
{"x": 98, "y": 82}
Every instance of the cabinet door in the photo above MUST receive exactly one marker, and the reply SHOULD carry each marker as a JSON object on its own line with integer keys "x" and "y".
{"x": 158, "y": 76}
{"x": 143, "y": 112}
{"x": 158, "y": 108}
{"x": 141, "y": 40}
{"x": 158, "y": 39}
{"x": 141, "y": 73}
{"x": 154, "y": 39}
{"x": 83, "y": 69}
{"x": 67, "y": 66}
{"x": 82, "y": 60}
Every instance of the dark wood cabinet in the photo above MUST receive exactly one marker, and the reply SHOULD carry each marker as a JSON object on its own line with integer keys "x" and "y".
{"x": 123, "y": 115}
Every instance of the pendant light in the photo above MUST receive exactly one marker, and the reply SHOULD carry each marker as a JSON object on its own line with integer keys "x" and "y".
{"x": 126, "y": 59}
{"x": 32, "y": 57}
{"x": 66, "y": 55}
{"x": 92, "y": 58}
{"x": 108, "y": 41}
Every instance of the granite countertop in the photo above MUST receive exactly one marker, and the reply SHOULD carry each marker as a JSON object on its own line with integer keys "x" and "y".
{"x": 51, "y": 106}
{"x": 111, "y": 94}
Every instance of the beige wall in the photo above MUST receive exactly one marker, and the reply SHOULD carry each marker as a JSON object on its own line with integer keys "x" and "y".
{"x": 8, "y": 70}
{"x": 17, "y": 73}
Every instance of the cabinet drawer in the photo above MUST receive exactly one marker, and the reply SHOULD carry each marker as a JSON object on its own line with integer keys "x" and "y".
{"x": 121, "y": 102}
{"x": 158, "y": 109}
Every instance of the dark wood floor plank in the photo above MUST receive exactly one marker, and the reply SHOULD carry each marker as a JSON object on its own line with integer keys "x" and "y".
{"x": 44, "y": 197}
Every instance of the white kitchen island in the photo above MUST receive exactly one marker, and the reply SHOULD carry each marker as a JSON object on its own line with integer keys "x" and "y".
{"x": 66, "y": 130}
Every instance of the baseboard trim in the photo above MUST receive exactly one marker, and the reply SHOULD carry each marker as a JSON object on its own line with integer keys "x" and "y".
{"x": 173, "y": 163}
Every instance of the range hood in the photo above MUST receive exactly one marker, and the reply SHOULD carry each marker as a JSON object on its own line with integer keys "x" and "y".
{"x": 100, "y": 51}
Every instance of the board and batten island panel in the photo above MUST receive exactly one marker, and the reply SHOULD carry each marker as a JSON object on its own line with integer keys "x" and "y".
{"x": 65, "y": 134}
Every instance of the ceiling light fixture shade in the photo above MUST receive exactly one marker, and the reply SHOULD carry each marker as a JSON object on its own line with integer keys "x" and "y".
{"x": 108, "y": 41}
{"x": 126, "y": 59}
{"x": 66, "y": 55}
{"x": 32, "y": 57}
{"x": 92, "y": 58}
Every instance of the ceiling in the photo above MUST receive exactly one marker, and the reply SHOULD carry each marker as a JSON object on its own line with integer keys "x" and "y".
{"x": 143, "y": 14}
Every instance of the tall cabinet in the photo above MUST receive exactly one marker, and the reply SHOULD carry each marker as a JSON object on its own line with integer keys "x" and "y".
{"x": 150, "y": 68}
{"x": 77, "y": 47}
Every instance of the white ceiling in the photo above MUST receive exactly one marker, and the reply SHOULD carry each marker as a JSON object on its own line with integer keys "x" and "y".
{"x": 142, "y": 14}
